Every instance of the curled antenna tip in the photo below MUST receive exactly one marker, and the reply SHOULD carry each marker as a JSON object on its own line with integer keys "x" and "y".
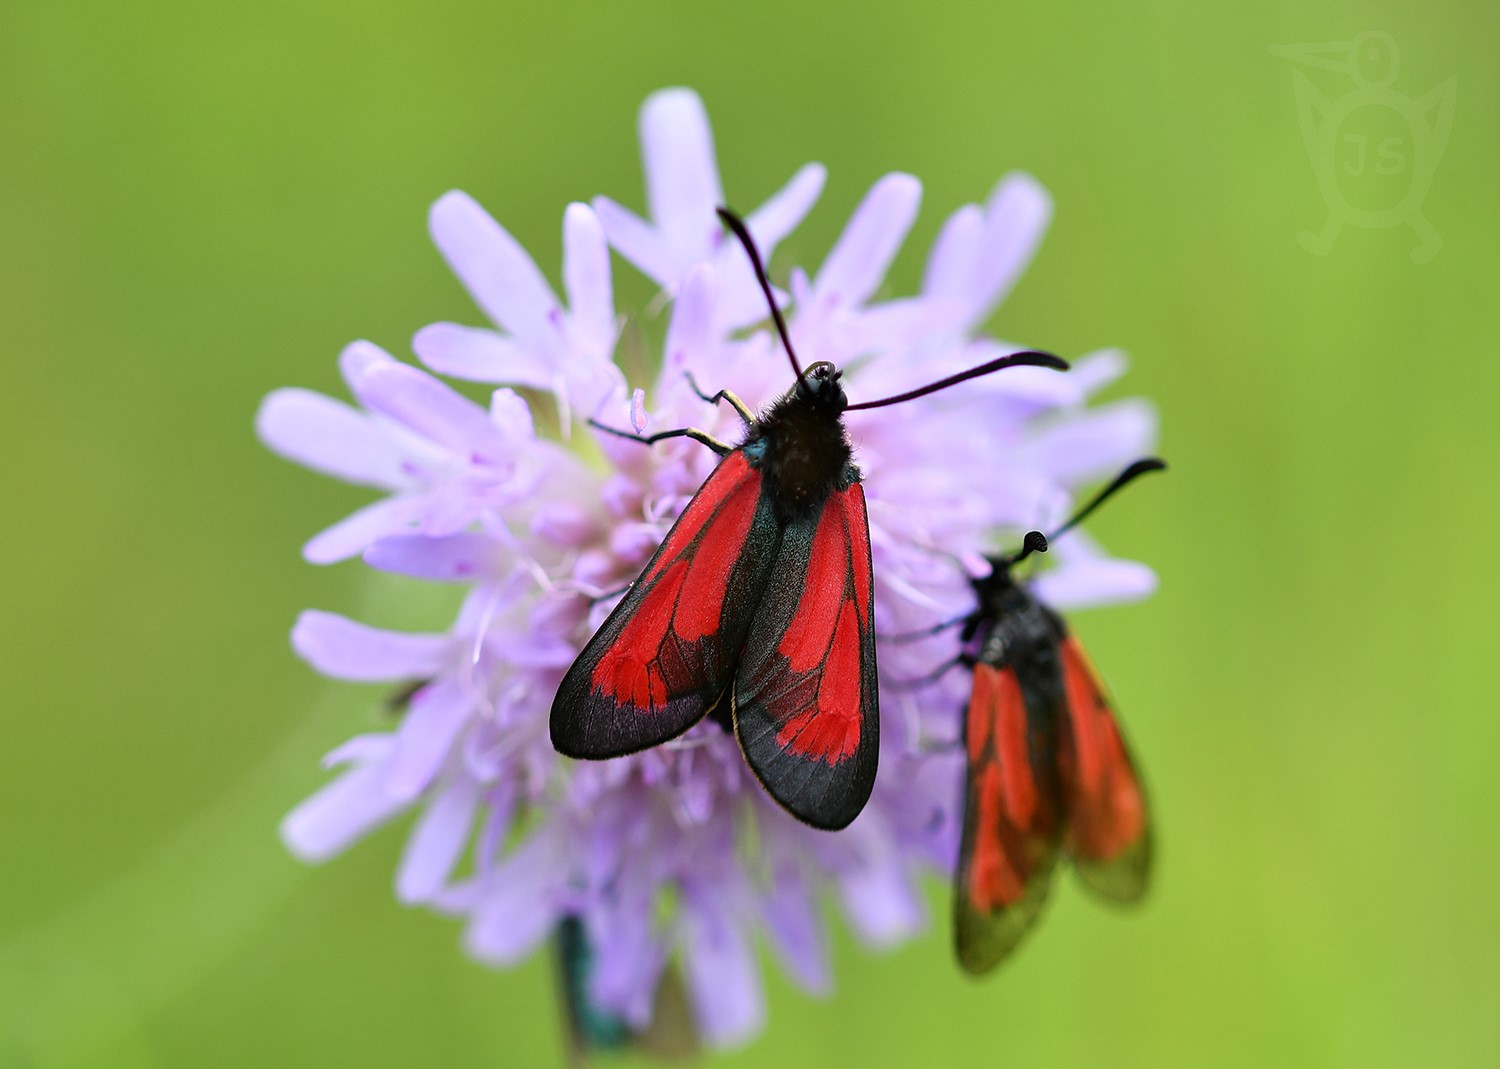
{"x": 1145, "y": 464}
{"x": 1034, "y": 542}
{"x": 1040, "y": 358}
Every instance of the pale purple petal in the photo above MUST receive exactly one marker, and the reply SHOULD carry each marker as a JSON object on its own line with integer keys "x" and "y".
{"x": 954, "y": 254}
{"x": 360, "y": 750}
{"x": 586, "y": 279}
{"x": 359, "y": 529}
{"x": 481, "y": 355}
{"x": 1097, "y": 370}
{"x": 510, "y": 413}
{"x": 1087, "y": 585}
{"x": 981, "y": 252}
{"x": 682, "y": 176}
{"x": 437, "y": 841}
{"x": 723, "y": 979}
{"x": 358, "y": 357}
{"x": 636, "y": 240}
{"x": 628, "y": 964}
{"x": 492, "y": 265}
{"x": 692, "y": 337}
{"x": 898, "y": 325}
{"x": 456, "y": 558}
{"x": 436, "y": 715}
{"x": 883, "y": 905}
{"x": 345, "y": 810}
{"x": 431, "y": 409}
{"x": 565, "y": 523}
{"x": 1086, "y": 577}
{"x": 786, "y": 209}
{"x": 791, "y": 918}
{"x": 519, "y": 909}
{"x": 869, "y": 243}
{"x": 741, "y": 302}
{"x": 331, "y": 437}
{"x": 1094, "y": 443}
{"x": 1016, "y": 217}
{"x": 339, "y": 647}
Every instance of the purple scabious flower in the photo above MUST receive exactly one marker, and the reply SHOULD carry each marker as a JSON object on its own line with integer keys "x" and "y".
{"x": 676, "y": 853}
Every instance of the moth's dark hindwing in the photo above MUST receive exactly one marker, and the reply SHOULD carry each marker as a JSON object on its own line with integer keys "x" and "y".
{"x": 1013, "y": 805}
{"x": 806, "y": 703}
{"x": 1109, "y": 826}
{"x": 669, "y": 649}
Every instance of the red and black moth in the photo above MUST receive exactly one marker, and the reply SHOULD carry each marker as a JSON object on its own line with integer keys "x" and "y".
{"x": 1049, "y": 774}
{"x": 758, "y": 607}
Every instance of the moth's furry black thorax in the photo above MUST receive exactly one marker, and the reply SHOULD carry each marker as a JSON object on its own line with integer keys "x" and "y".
{"x": 1012, "y": 629}
{"x": 801, "y": 445}
{"x": 1010, "y": 623}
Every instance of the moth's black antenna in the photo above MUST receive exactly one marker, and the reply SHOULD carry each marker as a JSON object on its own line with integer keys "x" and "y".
{"x": 733, "y": 222}
{"x": 1140, "y": 467}
{"x": 1025, "y": 358}
{"x": 1036, "y": 542}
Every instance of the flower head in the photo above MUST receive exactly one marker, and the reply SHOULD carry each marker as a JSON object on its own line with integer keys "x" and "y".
{"x": 676, "y": 852}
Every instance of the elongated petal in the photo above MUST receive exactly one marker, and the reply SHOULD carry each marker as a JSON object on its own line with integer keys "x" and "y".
{"x": 692, "y": 339}
{"x": 347, "y": 809}
{"x": 360, "y": 750}
{"x": 358, "y": 530}
{"x": 480, "y": 355}
{"x": 586, "y": 278}
{"x": 329, "y": 436}
{"x": 437, "y": 841}
{"x": 878, "y": 895}
{"x": 1098, "y": 369}
{"x": 1086, "y": 576}
{"x": 493, "y": 267}
{"x": 1094, "y": 583}
{"x": 869, "y": 243}
{"x": 458, "y": 558}
{"x": 723, "y": 979}
{"x": 345, "y": 649}
{"x": 741, "y": 302}
{"x": 628, "y": 963}
{"x": 358, "y": 357}
{"x": 791, "y": 919}
{"x": 518, "y": 909}
{"x": 953, "y": 257}
{"x": 1016, "y": 217}
{"x": 638, "y": 241}
{"x": 430, "y": 408}
{"x": 786, "y": 209}
{"x": 436, "y": 716}
{"x": 682, "y": 176}
{"x": 1093, "y": 444}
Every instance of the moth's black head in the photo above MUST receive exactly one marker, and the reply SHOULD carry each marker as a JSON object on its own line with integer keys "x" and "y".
{"x": 989, "y": 587}
{"x": 819, "y": 384}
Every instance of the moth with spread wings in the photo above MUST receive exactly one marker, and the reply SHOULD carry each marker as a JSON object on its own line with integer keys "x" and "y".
{"x": 1049, "y": 774}
{"x": 758, "y": 606}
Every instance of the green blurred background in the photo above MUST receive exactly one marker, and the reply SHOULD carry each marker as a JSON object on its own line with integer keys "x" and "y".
{"x": 199, "y": 203}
